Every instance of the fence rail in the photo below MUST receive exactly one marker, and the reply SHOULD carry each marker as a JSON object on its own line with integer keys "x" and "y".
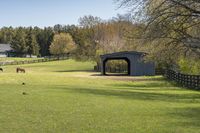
{"x": 190, "y": 81}
{"x": 112, "y": 69}
{"x": 159, "y": 71}
{"x": 46, "y": 59}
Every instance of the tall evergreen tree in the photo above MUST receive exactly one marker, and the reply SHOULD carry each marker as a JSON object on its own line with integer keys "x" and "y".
{"x": 19, "y": 42}
{"x": 33, "y": 46}
{"x": 6, "y": 35}
{"x": 44, "y": 38}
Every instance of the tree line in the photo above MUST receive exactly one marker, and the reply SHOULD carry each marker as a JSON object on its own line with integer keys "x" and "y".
{"x": 28, "y": 40}
{"x": 92, "y": 37}
{"x": 166, "y": 41}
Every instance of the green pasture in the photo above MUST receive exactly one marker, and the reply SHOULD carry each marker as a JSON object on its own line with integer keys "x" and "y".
{"x": 11, "y": 59}
{"x": 68, "y": 97}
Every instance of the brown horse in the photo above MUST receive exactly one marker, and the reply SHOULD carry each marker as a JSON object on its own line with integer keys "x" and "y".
{"x": 20, "y": 70}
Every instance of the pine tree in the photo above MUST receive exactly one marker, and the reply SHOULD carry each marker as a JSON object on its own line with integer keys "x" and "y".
{"x": 33, "y": 46}
{"x": 19, "y": 42}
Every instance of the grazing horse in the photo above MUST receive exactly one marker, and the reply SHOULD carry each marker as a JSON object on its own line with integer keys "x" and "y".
{"x": 1, "y": 69}
{"x": 20, "y": 70}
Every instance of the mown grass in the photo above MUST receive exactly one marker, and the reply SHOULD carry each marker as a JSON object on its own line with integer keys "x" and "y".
{"x": 11, "y": 59}
{"x": 64, "y": 96}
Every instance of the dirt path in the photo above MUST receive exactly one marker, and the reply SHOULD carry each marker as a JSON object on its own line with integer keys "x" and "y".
{"x": 119, "y": 78}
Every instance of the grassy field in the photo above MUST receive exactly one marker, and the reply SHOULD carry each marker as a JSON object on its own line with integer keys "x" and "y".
{"x": 66, "y": 97}
{"x": 11, "y": 59}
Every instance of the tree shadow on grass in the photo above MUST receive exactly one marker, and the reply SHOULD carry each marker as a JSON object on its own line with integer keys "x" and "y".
{"x": 142, "y": 85}
{"x": 181, "y": 116}
{"x": 187, "y": 117}
{"x": 155, "y": 89}
{"x": 138, "y": 95}
{"x": 159, "y": 85}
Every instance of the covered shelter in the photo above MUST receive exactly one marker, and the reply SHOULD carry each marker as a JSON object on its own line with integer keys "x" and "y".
{"x": 135, "y": 60}
{"x": 5, "y": 50}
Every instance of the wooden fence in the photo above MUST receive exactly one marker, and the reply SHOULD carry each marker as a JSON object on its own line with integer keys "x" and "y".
{"x": 110, "y": 69}
{"x": 190, "y": 81}
{"x": 46, "y": 59}
{"x": 159, "y": 71}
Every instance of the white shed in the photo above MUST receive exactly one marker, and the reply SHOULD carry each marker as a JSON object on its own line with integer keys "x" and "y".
{"x": 5, "y": 49}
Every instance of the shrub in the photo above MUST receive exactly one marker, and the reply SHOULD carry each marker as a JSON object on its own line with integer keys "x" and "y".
{"x": 189, "y": 66}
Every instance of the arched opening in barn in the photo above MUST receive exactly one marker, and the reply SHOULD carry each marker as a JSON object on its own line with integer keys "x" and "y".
{"x": 116, "y": 66}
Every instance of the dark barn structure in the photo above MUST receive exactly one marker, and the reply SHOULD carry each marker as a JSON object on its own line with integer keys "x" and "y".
{"x": 135, "y": 60}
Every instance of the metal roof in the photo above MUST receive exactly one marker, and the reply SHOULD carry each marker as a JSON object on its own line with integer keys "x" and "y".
{"x": 123, "y": 53}
{"x": 5, "y": 47}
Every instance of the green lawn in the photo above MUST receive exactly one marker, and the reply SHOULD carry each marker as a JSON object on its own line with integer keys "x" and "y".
{"x": 11, "y": 59}
{"x": 66, "y": 97}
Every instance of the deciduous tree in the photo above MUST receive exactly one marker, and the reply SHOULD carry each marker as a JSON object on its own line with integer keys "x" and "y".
{"x": 62, "y": 44}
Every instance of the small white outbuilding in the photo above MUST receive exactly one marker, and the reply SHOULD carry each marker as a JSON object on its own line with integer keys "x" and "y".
{"x": 5, "y": 50}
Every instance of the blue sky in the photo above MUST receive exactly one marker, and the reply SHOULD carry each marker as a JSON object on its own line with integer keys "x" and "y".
{"x": 50, "y": 12}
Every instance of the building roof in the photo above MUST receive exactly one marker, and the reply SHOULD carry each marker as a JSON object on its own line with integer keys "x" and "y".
{"x": 124, "y": 53}
{"x": 5, "y": 47}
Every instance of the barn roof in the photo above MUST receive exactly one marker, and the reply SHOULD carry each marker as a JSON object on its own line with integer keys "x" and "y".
{"x": 5, "y": 47}
{"x": 124, "y": 53}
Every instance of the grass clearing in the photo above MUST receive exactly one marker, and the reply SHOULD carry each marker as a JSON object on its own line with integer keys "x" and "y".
{"x": 65, "y": 96}
{"x": 11, "y": 59}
